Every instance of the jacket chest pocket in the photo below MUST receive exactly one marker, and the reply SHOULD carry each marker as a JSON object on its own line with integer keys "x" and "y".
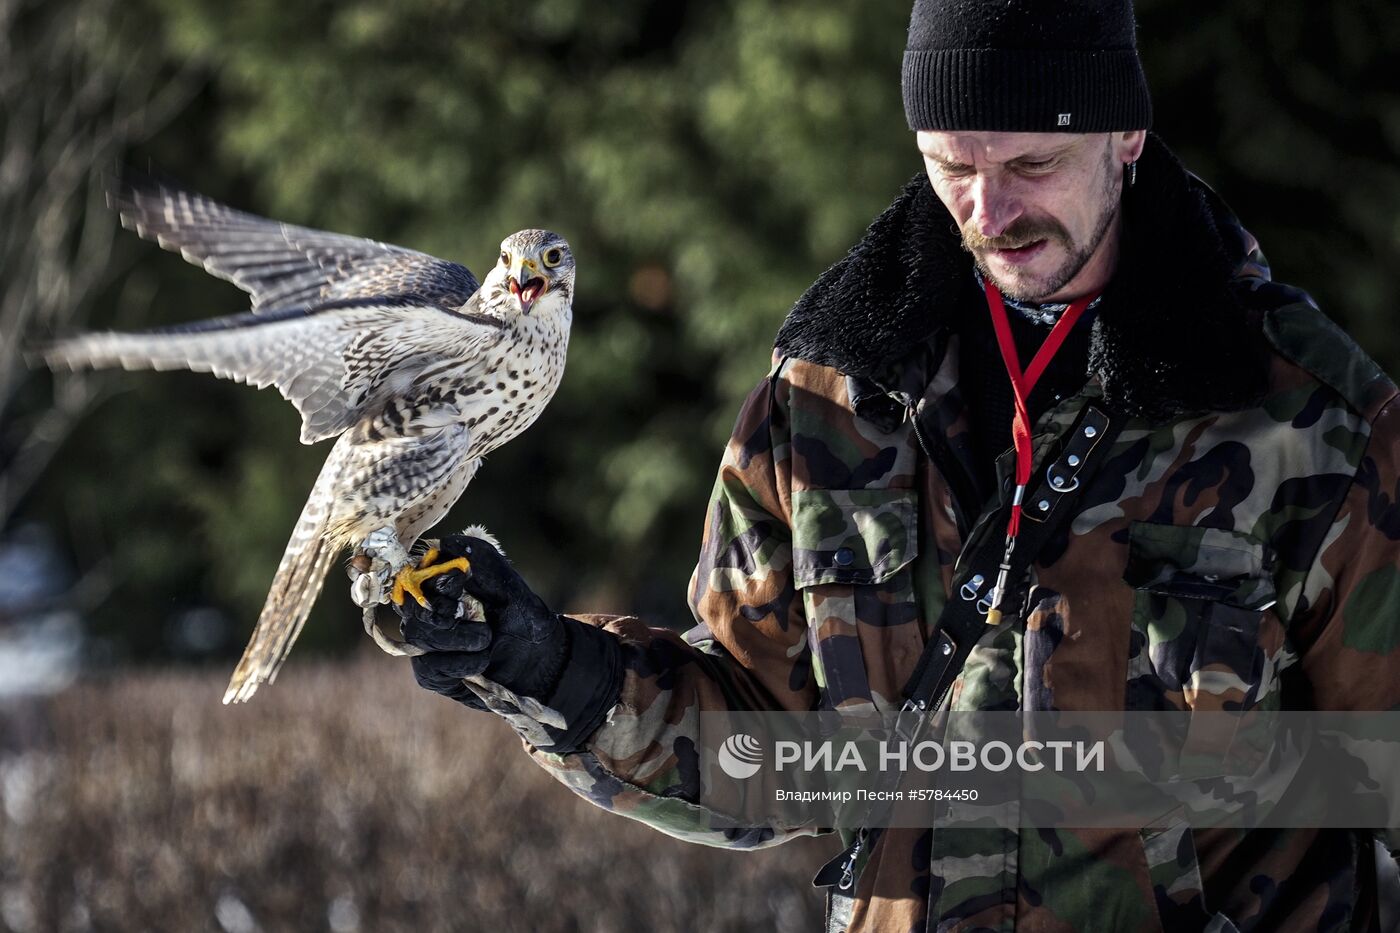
{"x": 852, "y": 551}
{"x": 1201, "y": 595}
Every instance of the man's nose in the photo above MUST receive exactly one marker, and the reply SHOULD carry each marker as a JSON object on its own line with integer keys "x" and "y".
{"x": 994, "y": 206}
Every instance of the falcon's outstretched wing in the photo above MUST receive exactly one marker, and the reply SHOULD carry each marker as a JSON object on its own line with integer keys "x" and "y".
{"x": 280, "y": 265}
{"x": 333, "y": 362}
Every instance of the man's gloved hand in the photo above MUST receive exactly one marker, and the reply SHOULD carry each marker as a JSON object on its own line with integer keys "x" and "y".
{"x": 520, "y": 646}
{"x": 573, "y": 669}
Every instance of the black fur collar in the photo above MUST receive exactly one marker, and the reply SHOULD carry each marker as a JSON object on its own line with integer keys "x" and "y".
{"x": 1174, "y": 335}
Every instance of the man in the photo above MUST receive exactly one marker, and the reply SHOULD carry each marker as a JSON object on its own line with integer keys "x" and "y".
{"x": 1187, "y": 502}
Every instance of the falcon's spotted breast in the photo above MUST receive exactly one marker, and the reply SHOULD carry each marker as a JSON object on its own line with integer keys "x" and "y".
{"x": 415, "y": 369}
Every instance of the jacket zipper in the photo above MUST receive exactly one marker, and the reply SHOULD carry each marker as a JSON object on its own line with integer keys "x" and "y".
{"x": 952, "y": 474}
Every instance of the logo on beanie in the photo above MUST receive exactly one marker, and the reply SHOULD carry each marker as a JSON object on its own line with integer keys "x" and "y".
{"x": 1064, "y": 119}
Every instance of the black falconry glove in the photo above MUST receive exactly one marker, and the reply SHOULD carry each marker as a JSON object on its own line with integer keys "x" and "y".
{"x": 522, "y": 661}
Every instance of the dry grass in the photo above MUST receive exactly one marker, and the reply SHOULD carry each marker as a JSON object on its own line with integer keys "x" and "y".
{"x": 343, "y": 797}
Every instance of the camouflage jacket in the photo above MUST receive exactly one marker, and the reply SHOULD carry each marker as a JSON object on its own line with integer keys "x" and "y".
{"x": 1259, "y": 446}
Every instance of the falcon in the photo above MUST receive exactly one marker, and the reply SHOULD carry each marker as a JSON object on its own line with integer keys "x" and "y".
{"x": 415, "y": 370}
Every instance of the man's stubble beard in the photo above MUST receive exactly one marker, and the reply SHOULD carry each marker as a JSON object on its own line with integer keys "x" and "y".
{"x": 1024, "y": 231}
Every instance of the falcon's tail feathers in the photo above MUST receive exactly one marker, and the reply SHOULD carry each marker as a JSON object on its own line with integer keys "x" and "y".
{"x": 298, "y": 582}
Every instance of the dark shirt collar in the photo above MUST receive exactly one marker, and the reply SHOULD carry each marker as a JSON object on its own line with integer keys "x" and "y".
{"x": 1043, "y": 315}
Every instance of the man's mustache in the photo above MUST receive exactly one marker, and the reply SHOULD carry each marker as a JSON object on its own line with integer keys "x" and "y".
{"x": 1022, "y": 232}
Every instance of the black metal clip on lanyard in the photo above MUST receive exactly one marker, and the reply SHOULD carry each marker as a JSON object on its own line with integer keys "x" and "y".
{"x": 962, "y": 622}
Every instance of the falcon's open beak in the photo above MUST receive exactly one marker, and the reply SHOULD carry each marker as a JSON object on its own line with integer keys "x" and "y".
{"x": 525, "y": 285}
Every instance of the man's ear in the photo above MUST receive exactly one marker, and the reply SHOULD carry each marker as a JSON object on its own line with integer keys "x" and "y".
{"x": 1128, "y": 145}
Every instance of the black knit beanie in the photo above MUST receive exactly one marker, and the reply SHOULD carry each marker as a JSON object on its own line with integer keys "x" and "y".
{"x": 1067, "y": 66}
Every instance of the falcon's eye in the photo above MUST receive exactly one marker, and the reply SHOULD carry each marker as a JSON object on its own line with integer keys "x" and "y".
{"x": 505, "y": 258}
{"x": 553, "y": 257}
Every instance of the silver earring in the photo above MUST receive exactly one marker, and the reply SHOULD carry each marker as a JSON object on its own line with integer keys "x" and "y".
{"x": 1132, "y": 173}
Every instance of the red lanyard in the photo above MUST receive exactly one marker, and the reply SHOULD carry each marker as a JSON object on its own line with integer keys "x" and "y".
{"x": 1021, "y": 385}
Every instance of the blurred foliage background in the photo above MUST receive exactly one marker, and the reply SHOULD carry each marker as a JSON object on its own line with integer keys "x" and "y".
{"x": 706, "y": 161}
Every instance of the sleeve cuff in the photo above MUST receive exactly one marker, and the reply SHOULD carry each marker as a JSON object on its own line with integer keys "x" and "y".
{"x": 588, "y": 688}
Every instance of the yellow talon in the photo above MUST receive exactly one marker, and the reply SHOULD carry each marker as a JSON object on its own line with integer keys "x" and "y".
{"x": 409, "y": 580}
